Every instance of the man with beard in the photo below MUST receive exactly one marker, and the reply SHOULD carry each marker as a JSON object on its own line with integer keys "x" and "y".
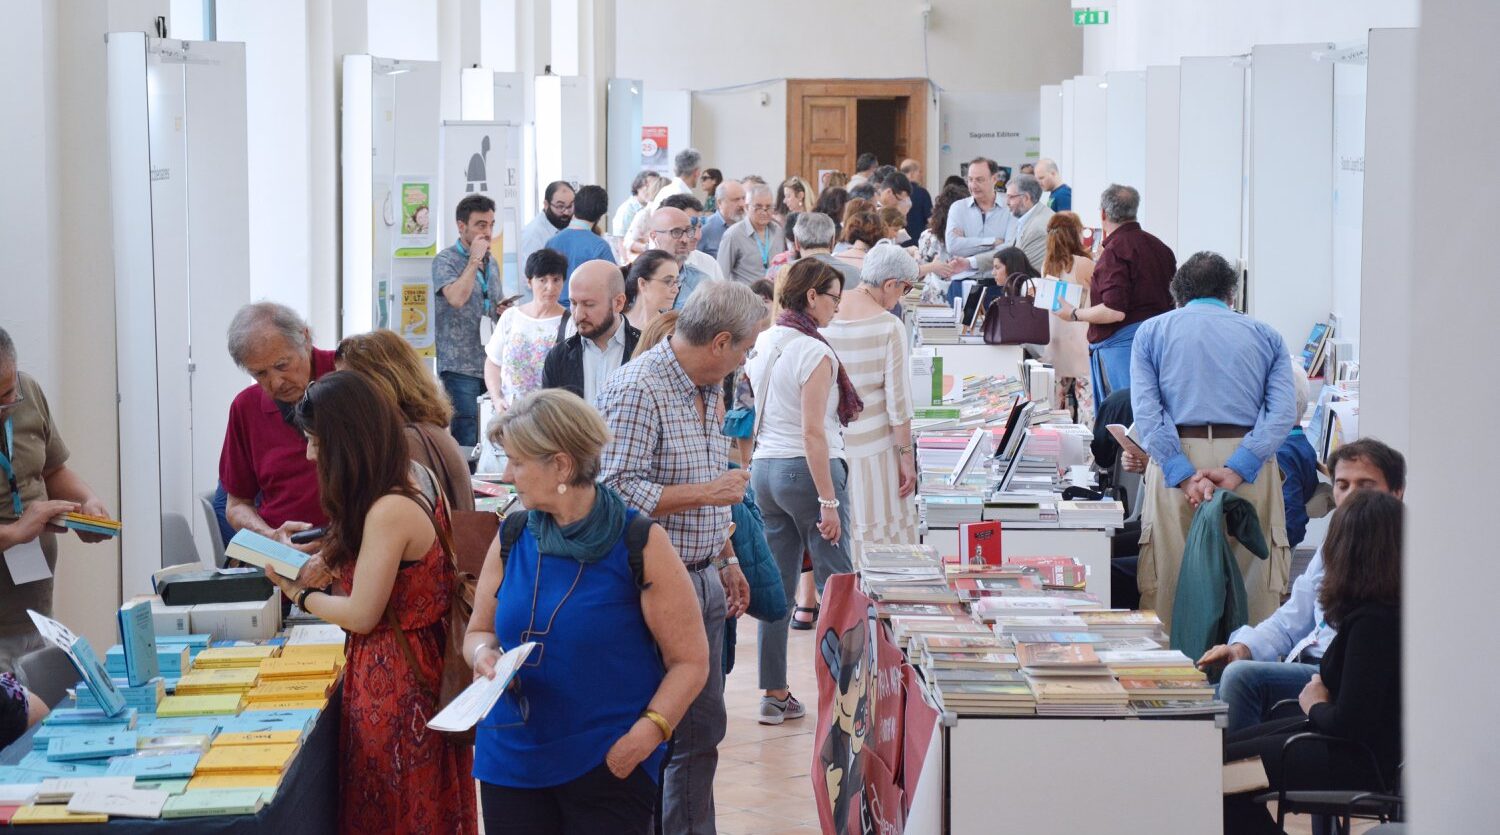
{"x": 604, "y": 340}
{"x": 556, "y": 214}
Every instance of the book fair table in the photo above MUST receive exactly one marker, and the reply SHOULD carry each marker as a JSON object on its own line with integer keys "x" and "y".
{"x": 1089, "y": 546}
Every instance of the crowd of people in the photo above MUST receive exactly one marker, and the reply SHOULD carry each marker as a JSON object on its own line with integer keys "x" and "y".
{"x": 619, "y": 376}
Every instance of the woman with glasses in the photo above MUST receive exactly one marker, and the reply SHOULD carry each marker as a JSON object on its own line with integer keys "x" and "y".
{"x": 803, "y": 399}
{"x": 577, "y": 743}
{"x": 397, "y": 581}
{"x": 651, "y": 287}
{"x": 882, "y": 466}
{"x": 392, "y": 365}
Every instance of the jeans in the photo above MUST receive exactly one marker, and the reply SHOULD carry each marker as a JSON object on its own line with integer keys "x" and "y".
{"x": 688, "y": 783}
{"x": 788, "y": 501}
{"x": 1252, "y": 688}
{"x": 596, "y": 802}
{"x": 1109, "y": 361}
{"x": 464, "y": 390}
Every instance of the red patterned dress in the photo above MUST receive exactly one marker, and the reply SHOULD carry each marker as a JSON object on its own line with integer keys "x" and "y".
{"x": 397, "y": 776}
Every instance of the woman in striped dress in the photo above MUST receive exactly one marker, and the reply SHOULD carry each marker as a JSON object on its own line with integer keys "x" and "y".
{"x": 873, "y": 346}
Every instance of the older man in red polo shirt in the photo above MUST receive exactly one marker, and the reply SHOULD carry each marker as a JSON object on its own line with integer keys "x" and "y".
{"x": 272, "y": 486}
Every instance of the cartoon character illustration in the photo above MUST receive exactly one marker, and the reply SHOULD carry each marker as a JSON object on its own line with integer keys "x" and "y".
{"x": 476, "y": 174}
{"x": 851, "y": 660}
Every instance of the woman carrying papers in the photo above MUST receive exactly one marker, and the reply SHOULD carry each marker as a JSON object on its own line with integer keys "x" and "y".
{"x": 1068, "y": 348}
{"x": 577, "y": 743}
{"x": 396, "y": 776}
{"x": 1357, "y": 695}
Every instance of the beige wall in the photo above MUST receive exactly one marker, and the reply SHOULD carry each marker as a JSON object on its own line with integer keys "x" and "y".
{"x": 972, "y": 45}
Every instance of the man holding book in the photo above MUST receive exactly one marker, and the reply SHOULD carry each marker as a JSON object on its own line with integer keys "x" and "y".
{"x": 1275, "y": 659}
{"x": 37, "y": 487}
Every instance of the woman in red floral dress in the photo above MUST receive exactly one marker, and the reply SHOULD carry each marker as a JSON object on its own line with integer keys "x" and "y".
{"x": 396, "y": 775}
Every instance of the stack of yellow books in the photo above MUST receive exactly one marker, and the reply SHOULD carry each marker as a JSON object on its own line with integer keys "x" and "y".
{"x": 321, "y": 652}
{"x": 295, "y": 666}
{"x": 218, "y": 658}
{"x": 227, "y": 766}
{"x": 210, "y": 705}
{"x": 290, "y": 694}
{"x": 210, "y": 681}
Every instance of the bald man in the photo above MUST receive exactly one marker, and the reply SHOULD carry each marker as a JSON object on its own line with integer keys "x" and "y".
{"x": 1060, "y": 194}
{"x": 674, "y": 231}
{"x": 604, "y": 340}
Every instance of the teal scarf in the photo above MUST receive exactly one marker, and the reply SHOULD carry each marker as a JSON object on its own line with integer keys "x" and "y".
{"x": 589, "y": 539}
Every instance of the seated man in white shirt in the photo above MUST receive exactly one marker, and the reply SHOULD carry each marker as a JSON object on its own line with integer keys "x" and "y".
{"x": 1273, "y": 660}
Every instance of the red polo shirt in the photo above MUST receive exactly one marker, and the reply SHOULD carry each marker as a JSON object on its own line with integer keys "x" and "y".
{"x": 265, "y": 457}
{"x": 1133, "y": 276}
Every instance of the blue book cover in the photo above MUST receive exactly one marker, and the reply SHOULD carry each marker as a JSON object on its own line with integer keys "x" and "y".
{"x": 171, "y": 660}
{"x": 260, "y": 721}
{"x": 45, "y": 733}
{"x": 183, "y": 726}
{"x": 101, "y": 687}
{"x": 138, "y": 635}
{"x": 14, "y": 775}
{"x": 37, "y": 761}
{"x": 88, "y": 716}
{"x": 196, "y": 640}
{"x": 154, "y": 766}
{"x": 93, "y": 747}
{"x": 249, "y": 547}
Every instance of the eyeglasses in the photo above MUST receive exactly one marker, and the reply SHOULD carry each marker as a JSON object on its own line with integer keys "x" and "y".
{"x": 836, "y": 298}
{"x": 667, "y": 282}
{"x": 682, "y": 232}
{"x": 561, "y": 207}
{"x": 16, "y": 399}
{"x": 760, "y": 208}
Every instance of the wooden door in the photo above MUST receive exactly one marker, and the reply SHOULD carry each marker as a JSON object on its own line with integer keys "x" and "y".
{"x": 822, "y": 122}
{"x": 829, "y": 127}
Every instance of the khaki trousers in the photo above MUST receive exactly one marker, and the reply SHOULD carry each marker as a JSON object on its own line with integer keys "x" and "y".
{"x": 1166, "y": 517}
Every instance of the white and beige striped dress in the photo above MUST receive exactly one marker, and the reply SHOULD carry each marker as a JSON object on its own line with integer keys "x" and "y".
{"x": 874, "y": 353}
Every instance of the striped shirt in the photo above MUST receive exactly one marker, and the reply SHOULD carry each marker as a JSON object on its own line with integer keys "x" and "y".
{"x": 657, "y": 439}
{"x": 874, "y": 355}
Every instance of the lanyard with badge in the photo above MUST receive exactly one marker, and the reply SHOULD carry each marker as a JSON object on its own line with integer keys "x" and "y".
{"x": 765, "y": 247}
{"x": 10, "y": 470}
{"x": 26, "y": 561}
{"x": 482, "y": 278}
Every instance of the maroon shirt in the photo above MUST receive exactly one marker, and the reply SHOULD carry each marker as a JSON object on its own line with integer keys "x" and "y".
{"x": 1133, "y": 276}
{"x": 265, "y": 457}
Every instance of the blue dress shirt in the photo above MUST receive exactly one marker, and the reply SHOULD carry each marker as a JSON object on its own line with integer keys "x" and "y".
{"x": 979, "y": 231}
{"x": 1203, "y": 363}
{"x": 1301, "y": 615}
{"x": 579, "y": 244}
{"x": 1299, "y": 472}
{"x": 711, "y": 234}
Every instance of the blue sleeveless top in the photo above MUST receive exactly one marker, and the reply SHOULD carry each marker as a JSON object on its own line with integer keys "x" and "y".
{"x": 587, "y": 681}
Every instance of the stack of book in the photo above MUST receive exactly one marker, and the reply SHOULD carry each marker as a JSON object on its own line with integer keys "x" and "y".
{"x": 290, "y": 694}
{"x": 1102, "y": 514}
{"x": 937, "y": 324}
{"x": 213, "y": 705}
{"x": 1124, "y": 623}
{"x": 211, "y": 681}
{"x": 102, "y": 525}
{"x": 1069, "y": 680}
{"x": 954, "y": 509}
{"x": 974, "y": 674}
{"x": 194, "y": 643}
{"x": 231, "y": 766}
{"x": 218, "y": 658}
{"x": 907, "y": 630}
{"x": 1056, "y": 572}
{"x": 172, "y": 660}
{"x": 143, "y": 698}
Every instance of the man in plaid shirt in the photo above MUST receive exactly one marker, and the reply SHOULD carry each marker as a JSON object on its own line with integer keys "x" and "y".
{"x": 668, "y": 457}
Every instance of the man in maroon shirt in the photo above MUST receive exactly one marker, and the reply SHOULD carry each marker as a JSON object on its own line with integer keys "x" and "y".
{"x": 272, "y": 486}
{"x": 1132, "y": 282}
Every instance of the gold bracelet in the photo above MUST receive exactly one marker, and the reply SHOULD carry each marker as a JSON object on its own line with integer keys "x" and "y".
{"x": 660, "y": 722}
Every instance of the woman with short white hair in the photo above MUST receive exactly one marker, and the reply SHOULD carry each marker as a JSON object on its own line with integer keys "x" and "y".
{"x": 873, "y": 345}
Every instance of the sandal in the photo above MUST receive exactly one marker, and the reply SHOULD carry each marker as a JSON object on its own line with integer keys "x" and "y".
{"x": 804, "y": 623}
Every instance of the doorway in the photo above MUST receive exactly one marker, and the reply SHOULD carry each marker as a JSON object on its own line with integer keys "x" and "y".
{"x": 830, "y": 123}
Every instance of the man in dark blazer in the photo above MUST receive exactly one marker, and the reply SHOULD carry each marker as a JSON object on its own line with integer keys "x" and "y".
{"x": 604, "y": 340}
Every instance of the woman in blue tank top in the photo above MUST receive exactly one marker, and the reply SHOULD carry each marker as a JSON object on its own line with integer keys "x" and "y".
{"x": 577, "y": 742}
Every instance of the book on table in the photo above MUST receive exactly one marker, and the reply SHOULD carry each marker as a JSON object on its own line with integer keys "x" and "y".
{"x": 105, "y": 694}
{"x": 91, "y": 747}
{"x": 138, "y": 637}
{"x": 128, "y": 803}
{"x": 198, "y": 803}
{"x": 155, "y": 766}
{"x": 254, "y": 549}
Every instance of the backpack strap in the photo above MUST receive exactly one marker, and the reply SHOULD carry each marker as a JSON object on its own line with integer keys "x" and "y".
{"x": 636, "y": 535}
{"x": 510, "y": 531}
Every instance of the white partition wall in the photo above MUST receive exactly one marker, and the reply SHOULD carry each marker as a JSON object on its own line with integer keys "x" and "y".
{"x": 178, "y": 161}
{"x": 1051, "y": 121}
{"x": 1088, "y": 171}
{"x": 1160, "y": 195}
{"x": 1065, "y": 152}
{"x": 1125, "y": 135}
{"x": 1349, "y": 91}
{"x": 1210, "y": 157}
{"x": 1291, "y": 188}
{"x": 1388, "y": 270}
{"x": 622, "y": 147}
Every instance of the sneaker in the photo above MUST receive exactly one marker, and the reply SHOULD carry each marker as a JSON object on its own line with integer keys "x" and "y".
{"x": 774, "y": 711}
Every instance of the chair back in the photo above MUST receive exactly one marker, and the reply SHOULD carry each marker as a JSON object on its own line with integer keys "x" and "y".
{"x": 211, "y": 519}
{"x": 48, "y": 673}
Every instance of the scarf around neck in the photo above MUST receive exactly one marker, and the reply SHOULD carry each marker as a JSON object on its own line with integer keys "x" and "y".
{"x": 850, "y": 405}
{"x": 589, "y": 539}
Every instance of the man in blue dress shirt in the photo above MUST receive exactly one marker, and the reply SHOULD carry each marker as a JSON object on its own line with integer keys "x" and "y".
{"x": 1213, "y": 400}
{"x": 579, "y": 243}
{"x": 1273, "y": 660}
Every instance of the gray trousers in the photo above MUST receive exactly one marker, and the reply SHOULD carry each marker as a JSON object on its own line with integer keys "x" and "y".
{"x": 14, "y": 647}
{"x": 788, "y": 501}
{"x": 688, "y": 786}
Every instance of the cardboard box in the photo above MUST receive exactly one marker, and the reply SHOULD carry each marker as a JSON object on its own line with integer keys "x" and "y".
{"x": 171, "y": 620}
{"x": 248, "y": 621}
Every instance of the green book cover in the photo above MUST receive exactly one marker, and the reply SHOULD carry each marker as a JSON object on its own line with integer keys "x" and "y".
{"x": 205, "y": 802}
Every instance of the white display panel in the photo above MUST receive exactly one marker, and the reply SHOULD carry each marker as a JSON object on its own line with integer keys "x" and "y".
{"x": 1065, "y": 152}
{"x": 1125, "y": 136}
{"x": 1051, "y": 121}
{"x": 672, "y": 110}
{"x": 995, "y": 125}
{"x": 1388, "y": 265}
{"x": 1089, "y": 172}
{"x": 180, "y": 198}
{"x": 1159, "y": 197}
{"x": 622, "y": 148}
{"x": 1211, "y": 169}
{"x": 1291, "y": 188}
{"x": 1349, "y": 89}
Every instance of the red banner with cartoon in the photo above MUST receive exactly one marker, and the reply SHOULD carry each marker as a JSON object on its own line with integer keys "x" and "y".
{"x": 862, "y": 760}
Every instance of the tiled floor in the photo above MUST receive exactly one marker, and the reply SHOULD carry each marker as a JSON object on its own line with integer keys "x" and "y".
{"x": 764, "y": 784}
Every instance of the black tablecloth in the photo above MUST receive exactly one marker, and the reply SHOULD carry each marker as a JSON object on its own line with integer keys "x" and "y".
{"x": 306, "y": 802}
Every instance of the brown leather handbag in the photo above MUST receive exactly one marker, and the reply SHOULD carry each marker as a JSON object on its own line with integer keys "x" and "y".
{"x": 473, "y": 530}
{"x": 1011, "y": 318}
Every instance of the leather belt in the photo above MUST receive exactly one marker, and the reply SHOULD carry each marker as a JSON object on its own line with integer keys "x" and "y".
{"x": 695, "y": 567}
{"x": 1212, "y": 431}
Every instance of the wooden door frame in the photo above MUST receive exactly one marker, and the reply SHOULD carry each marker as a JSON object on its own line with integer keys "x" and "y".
{"x": 913, "y": 89}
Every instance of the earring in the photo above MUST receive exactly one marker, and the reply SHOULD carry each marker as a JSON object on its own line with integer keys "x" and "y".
{"x": 562, "y": 488}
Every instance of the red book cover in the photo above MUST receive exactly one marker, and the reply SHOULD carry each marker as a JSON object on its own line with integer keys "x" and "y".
{"x": 979, "y": 542}
{"x": 6, "y": 813}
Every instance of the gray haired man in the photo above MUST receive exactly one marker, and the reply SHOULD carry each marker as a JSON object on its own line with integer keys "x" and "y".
{"x": 814, "y": 233}
{"x": 687, "y": 165}
{"x": 668, "y": 457}
{"x": 748, "y": 246}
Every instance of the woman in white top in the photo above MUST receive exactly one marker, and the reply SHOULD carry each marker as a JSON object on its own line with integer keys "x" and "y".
{"x": 651, "y": 287}
{"x": 803, "y": 399}
{"x": 1068, "y": 345}
{"x": 872, "y": 344}
{"x": 525, "y": 333}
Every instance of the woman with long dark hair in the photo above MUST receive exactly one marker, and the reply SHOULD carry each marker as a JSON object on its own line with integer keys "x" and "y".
{"x": 650, "y": 287}
{"x": 1357, "y": 694}
{"x": 383, "y": 546}
{"x": 1008, "y": 264}
{"x": 933, "y": 260}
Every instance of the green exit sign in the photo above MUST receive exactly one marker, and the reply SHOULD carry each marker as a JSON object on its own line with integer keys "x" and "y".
{"x": 1090, "y": 17}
